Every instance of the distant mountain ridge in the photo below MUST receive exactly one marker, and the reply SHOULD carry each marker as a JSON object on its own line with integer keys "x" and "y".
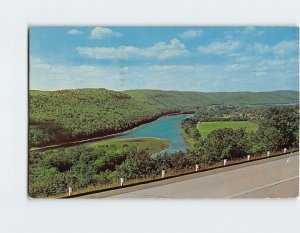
{"x": 70, "y": 115}
{"x": 191, "y": 99}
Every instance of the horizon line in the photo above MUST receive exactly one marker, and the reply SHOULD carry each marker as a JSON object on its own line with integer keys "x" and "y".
{"x": 145, "y": 89}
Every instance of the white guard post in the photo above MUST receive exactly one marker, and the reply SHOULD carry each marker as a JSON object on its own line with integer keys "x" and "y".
{"x": 163, "y": 173}
{"x": 121, "y": 181}
{"x": 284, "y": 150}
{"x": 268, "y": 153}
{"x": 248, "y": 157}
{"x": 70, "y": 191}
{"x": 197, "y": 167}
{"x": 225, "y": 162}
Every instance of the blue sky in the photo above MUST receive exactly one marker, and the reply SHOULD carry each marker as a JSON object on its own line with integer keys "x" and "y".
{"x": 206, "y": 59}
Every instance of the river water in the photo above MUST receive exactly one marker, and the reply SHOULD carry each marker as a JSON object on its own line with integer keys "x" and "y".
{"x": 167, "y": 127}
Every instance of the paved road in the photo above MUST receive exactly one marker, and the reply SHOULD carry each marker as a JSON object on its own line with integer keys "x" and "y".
{"x": 274, "y": 178}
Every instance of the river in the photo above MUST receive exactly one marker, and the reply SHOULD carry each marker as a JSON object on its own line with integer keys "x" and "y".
{"x": 167, "y": 127}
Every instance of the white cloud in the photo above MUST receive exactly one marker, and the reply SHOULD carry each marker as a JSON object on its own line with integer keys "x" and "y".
{"x": 46, "y": 69}
{"x": 47, "y": 76}
{"x": 160, "y": 50}
{"x": 261, "y": 48}
{"x": 272, "y": 62}
{"x": 220, "y": 47}
{"x": 257, "y": 75}
{"x": 236, "y": 67}
{"x": 252, "y": 30}
{"x": 191, "y": 34}
{"x": 282, "y": 48}
{"x": 172, "y": 68}
{"x": 101, "y": 33}
{"x": 74, "y": 32}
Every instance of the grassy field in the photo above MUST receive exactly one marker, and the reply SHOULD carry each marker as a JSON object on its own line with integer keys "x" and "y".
{"x": 206, "y": 127}
{"x": 152, "y": 145}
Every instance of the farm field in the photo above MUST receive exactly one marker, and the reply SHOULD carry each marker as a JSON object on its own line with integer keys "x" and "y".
{"x": 206, "y": 127}
{"x": 151, "y": 145}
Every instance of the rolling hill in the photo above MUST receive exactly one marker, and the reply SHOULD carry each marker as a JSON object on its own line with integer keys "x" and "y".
{"x": 191, "y": 100}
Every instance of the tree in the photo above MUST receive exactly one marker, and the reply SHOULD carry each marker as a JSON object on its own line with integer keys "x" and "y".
{"x": 222, "y": 144}
{"x": 279, "y": 128}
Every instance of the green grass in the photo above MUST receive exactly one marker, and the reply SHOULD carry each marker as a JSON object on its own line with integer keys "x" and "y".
{"x": 206, "y": 127}
{"x": 152, "y": 145}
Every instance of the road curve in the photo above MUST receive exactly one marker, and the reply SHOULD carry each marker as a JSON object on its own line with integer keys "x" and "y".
{"x": 276, "y": 177}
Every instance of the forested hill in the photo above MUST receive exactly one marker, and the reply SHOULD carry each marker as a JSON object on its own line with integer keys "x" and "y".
{"x": 69, "y": 115}
{"x": 190, "y": 100}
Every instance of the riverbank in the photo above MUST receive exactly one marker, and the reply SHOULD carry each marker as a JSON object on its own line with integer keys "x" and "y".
{"x": 189, "y": 141}
{"x": 149, "y": 144}
{"x": 102, "y": 138}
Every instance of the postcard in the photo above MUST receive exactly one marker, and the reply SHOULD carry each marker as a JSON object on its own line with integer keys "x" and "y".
{"x": 163, "y": 112}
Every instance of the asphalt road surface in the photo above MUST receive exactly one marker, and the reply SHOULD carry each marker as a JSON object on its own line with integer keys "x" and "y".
{"x": 276, "y": 177}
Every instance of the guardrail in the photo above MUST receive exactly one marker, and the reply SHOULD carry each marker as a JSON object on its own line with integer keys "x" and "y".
{"x": 178, "y": 173}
